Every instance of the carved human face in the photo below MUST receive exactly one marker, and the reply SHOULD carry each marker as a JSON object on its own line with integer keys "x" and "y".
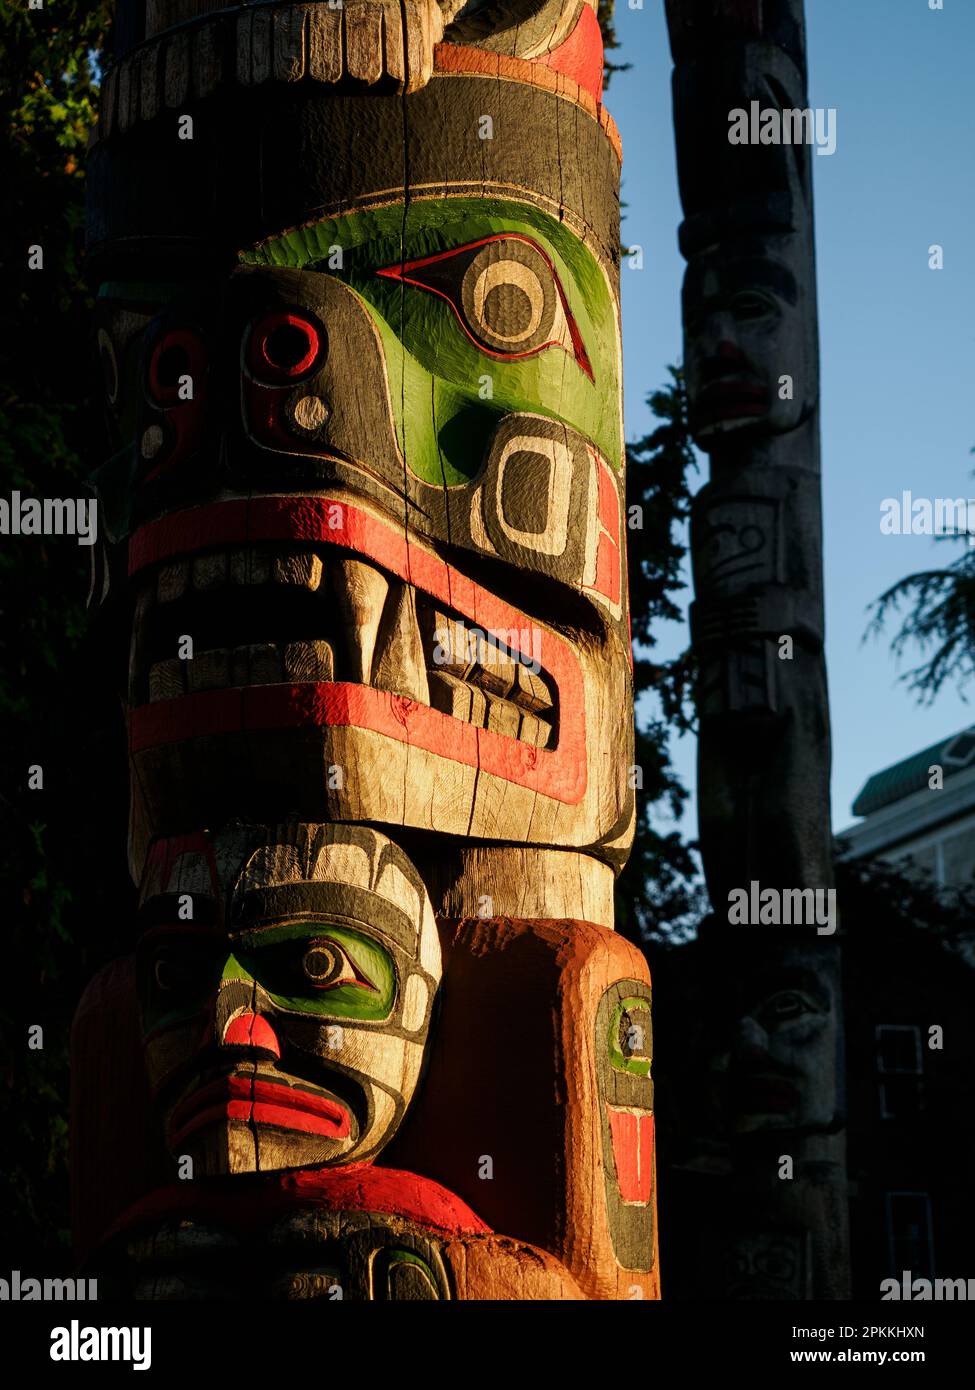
{"x": 286, "y": 981}
{"x": 376, "y": 478}
{"x": 749, "y": 359}
{"x": 777, "y": 1073}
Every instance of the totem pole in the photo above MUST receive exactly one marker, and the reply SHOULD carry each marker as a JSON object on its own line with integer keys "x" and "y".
{"x": 358, "y": 321}
{"x": 751, "y": 361}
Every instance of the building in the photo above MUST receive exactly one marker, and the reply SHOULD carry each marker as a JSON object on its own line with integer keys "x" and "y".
{"x": 921, "y": 809}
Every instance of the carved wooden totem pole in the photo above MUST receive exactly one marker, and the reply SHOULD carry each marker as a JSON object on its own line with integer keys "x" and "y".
{"x": 358, "y": 321}
{"x": 751, "y": 359}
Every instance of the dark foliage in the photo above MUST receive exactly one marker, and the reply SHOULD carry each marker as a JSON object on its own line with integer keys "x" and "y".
{"x": 659, "y": 896}
{"x": 59, "y": 900}
{"x": 943, "y": 617}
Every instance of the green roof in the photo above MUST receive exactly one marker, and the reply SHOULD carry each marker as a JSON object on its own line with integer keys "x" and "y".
{"x": 953, "y": 754}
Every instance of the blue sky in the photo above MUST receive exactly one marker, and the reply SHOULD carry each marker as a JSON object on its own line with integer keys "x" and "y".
{"x": 897, "y": 339}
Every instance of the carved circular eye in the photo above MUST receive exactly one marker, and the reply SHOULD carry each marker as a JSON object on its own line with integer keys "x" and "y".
{"x": 177, "y": 358}
{"x": 170, "y": 974}
{"x": 510, "y": 299}
{"x": 323, "y": 963}
{"x": 284, "y": 346}
{"x": 787, "y": 1004}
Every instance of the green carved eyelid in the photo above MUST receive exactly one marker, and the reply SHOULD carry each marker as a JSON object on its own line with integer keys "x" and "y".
{"x": 638, "y": 1066}
{"x": 351, "y": 1000}
{"x": 252, "y": 959}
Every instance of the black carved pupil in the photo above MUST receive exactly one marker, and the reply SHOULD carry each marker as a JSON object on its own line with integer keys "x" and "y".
{"x": 286, "y": 346}
{"x": 507, "y": 310}
{"x": 320, "y": 964}
{"x": 174, "y": 362}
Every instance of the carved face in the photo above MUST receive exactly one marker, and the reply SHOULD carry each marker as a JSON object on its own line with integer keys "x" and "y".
{"x": 769, "y": 1265}
{"x": 375, "y": 477}
{"x": 286, "y": 982}
{"x": 778, "y": 1072}
{"x": 750, "y": 360}
{"x": 623, "y": 1053}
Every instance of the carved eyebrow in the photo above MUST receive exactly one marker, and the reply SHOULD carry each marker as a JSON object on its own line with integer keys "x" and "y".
{"x": 400, "y": 272}
{"x": 394, "y": 271}
{"x": 324, "y": 903}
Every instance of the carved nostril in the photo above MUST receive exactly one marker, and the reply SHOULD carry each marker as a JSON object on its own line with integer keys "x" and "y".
{"x": 309, "y": 415}
{"x": 251, "y": 1030}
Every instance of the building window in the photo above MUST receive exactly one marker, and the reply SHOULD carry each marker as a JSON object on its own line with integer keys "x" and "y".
{"x": 910, "y": 1239}
{"x": 899, "y": 1070}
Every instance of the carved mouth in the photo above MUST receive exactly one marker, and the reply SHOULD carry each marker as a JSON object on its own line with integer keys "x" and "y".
{"x": 731, "y": 398}
{"x": 371, "y": 607}
{"x": 255, "y": 1100}
{"x": 272, "y": 614}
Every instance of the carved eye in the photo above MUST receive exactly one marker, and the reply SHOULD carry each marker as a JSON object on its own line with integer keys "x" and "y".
{"x": 750, "y": 304}
{"x": 326, "y": 966}
{"x": 284, "y": 347}
{"x": 788, "y": 1004}
{"x": 178, "y": 354}
{"x": 505, "y": 293}
{"x": 175, "y": 975}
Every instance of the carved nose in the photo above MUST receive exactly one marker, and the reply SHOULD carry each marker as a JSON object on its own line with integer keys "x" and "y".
{"x": 251, "y": 1030}
{"x": 751, "y": 1043}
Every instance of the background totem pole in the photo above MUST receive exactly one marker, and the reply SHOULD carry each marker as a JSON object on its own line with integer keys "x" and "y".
{"x": 358, "y": 322}
{"x": 751, "y": 361}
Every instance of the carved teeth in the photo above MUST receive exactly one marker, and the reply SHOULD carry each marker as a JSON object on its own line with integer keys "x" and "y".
{"x": 531, "y": 692}
{"x": 386, "y": 635}
{"x": 208, "y": 670}
{"x": 303, "y": 570}
{"x": 456, "y": 698}
{"x": 466, "y": 702}
{"x": 167, "y": 680}
{"x": 249, "y": 567}
{"x": 360, "y": 593}
{"x": 210, "y": 571}
{"x": 308, "y": 661}
{"x": 262, "y": 663}
{"x": 237, "y": 567}
{"x": 173, "y": 581}
{"x": 535, "y": 731}
{"x": 399, "y": 665}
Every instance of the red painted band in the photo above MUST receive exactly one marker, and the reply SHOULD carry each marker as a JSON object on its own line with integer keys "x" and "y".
{"x": 580, "y": 56}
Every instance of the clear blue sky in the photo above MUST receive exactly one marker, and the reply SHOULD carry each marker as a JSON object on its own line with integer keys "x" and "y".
{"x": 897, "y": 339}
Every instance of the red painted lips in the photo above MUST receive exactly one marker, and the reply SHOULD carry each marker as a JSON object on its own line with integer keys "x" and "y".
{"x": 260, "y": 1102}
